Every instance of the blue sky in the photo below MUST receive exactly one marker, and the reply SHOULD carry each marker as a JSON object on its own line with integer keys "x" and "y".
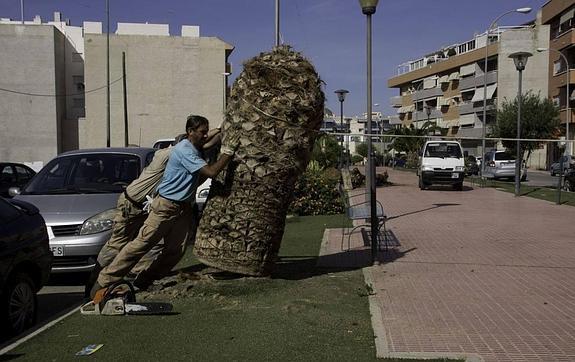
{"x": 331, "y": 33}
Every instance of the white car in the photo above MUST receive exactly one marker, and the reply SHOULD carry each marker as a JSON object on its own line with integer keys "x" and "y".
{"x": 202, "y": 194}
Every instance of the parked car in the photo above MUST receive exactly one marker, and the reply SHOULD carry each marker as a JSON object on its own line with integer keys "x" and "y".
{"x": 13, "y": 175}
{"x": 25, "y": 261}
{"x": 569, "y": 180}
{"x": 501, "y": 164}
{"x": 163, "y": 143}
{"x": 202, "y": 194}
{"x": 568, "y": 162}
{"x": 76, "y": 193}
{"x": 441, "y": 163}
{"x": 471, "y": 166}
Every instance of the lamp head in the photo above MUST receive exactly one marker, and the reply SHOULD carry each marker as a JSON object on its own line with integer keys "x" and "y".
{"x": 523, "y": 10}
{"x": 341, "y": 94}
{"x": 520, "y": 59}
{"x": 368, "y": 6}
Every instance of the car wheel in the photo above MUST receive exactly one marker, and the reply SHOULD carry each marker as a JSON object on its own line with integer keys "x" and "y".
{"x": 18, "y": 305}
{"x": 421, "y": 184}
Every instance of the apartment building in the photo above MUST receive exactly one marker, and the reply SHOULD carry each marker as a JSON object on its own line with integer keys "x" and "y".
{"x": 168, "y": 77}
{"x": 446, "y": 87}
{"x": 559, "y": 15}
{"x": 43, "y": 92}
{"x": 53, "y": 85}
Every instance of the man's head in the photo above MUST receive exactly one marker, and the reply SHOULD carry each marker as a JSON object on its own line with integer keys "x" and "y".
{"x": 197, "y": 130}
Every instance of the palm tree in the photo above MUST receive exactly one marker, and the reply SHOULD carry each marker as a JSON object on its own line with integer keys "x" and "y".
{"x": 276, "y": 109}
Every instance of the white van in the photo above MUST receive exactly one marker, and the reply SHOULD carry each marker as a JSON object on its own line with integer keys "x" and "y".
{"x": 442, "y": 163}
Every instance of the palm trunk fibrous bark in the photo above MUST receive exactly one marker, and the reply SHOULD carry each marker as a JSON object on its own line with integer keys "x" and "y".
{"x": 275, "y": 109}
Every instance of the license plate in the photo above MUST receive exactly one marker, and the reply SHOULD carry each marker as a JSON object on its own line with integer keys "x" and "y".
{"x": 57, "y": 250}
{"x": 454, "y": 175}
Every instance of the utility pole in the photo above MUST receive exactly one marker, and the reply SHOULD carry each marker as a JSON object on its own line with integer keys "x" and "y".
{"x": 126, "y": 138}
{"x": 107, "y": 73}
{"x": 22, "y": 11}
{"x": 277, "y": 23}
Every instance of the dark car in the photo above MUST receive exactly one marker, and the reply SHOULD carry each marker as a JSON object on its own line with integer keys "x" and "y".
{"x": 471, "y": 166}
{"x": 13, "y": 175}
{"x": 569, "y": 181}
{"x": 25, "y": 262}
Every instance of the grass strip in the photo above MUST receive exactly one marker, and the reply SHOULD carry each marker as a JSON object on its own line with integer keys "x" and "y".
{"x": 300, "y": 313}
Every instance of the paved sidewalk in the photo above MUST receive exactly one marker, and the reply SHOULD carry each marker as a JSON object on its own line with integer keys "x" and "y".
{"x": 480, "y": 274}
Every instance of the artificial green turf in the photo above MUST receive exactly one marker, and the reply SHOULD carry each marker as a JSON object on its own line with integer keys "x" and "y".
{"x": 537, "y": 192}
{"x": 300, "y": 313}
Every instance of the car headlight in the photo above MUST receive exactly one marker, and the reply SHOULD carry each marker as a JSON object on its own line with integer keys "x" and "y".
{"x": 458, "y": 168}
{"x": 203, "y": 194}
{"x": 427, "y": 168}
{"x": 98, "y": 223}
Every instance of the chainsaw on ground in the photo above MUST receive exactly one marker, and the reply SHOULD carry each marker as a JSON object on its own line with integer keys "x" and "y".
{"x": 120, "y": 299}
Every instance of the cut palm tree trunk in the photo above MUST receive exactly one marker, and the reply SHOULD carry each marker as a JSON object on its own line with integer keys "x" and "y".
{"x": 275, "y": 110}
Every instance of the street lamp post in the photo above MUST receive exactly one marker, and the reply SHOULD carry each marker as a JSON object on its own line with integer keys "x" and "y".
{"x": 368, "y": 8}
{"x": 341, "y": 93}
{"x": 568, "y": 120}
{"x": 520, "y": 60}
{"x": 521, "y": 11}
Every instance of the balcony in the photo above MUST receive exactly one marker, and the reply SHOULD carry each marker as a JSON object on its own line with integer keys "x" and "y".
{"x": 472, "y": 82}
{"x": 422, "y": 115}
{"x": 476, "y": 107}
{"x": 427, "y": 93}
{"x": 396, "y": 101}
{"x": 394, "y": 120}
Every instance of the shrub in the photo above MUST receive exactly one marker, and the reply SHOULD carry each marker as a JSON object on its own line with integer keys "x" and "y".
{"x": 316, "y": 193}
{"x": 355, "y": 159}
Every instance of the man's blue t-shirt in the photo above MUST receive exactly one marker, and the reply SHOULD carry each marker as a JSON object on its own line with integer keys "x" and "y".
{"x": 181, "y": 176}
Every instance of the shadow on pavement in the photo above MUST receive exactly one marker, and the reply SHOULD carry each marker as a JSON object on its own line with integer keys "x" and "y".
{"x": 435, "y": 206}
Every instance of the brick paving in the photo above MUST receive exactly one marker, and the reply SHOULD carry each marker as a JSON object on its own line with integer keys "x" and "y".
{"x": 479, "y": 272}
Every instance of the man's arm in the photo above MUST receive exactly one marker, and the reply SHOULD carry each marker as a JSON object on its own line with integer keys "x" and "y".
{"x": 215, "y": 168}
{"x": 228, "y": 150}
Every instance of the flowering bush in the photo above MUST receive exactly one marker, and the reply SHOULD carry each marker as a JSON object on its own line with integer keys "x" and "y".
{"x": 316, "y": 193}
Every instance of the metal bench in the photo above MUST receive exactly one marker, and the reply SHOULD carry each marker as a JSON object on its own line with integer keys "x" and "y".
{"x": 361, "y": 211}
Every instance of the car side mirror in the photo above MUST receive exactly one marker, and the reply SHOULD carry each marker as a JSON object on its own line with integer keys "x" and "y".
{"x": 13, "y": 191}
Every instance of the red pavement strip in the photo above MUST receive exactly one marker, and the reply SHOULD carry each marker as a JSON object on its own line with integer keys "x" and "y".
{"x": 480, "y": 274}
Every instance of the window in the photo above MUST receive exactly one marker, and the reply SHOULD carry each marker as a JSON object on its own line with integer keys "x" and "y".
{"x": 557, "y": 68}
{"x": 23, "y": 174}
{"x": 556, "y": 102}
{"x": 7, "y": 175}
{"x": 88, "y": 173}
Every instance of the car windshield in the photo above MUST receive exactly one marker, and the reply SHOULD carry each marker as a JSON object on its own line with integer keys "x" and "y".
{"x": 85, "y": 174}
{"x": 443, "y": 150}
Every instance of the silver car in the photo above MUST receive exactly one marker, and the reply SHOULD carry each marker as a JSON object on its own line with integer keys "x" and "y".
{"x": 501, "y": 164}
{"x": 77, "y": 193}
